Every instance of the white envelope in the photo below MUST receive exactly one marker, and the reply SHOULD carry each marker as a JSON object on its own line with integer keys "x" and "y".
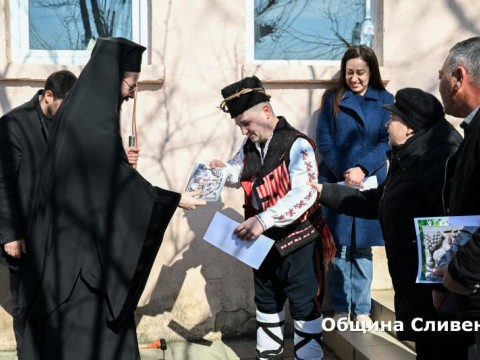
{"x": 220, "y": 234}
{"x": 369, "y": 182}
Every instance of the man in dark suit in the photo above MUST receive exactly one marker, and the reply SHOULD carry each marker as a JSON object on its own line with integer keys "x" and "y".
{"x": 23, "y": 141}
{"x": 459, "y": 87}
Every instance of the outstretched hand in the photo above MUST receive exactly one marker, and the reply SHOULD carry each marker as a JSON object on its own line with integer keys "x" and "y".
{"x": 216, "y": 163}
{"x": 316, "y": 186}
{"x": 190, "y": 200}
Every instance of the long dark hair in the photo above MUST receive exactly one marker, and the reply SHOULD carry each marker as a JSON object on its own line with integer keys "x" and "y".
{"x": 366, "y": 54}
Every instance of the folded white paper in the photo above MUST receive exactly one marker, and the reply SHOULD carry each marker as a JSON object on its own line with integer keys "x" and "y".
{"x": 220, "y": 234}
{"x": 369, "y": 182}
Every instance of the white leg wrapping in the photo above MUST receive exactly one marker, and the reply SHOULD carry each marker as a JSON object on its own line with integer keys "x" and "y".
{"x": 270, "y": 330}
{"x": 308, "y": 339}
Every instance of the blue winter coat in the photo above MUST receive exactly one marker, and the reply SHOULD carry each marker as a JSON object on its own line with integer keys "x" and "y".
{"x": 356, "y": 137}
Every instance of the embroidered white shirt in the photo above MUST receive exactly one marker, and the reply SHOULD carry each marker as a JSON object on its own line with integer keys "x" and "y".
{"x": 302, "y": 169}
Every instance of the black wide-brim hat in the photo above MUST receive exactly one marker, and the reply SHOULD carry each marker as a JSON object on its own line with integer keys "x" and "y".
{"x": 243, "y": 95}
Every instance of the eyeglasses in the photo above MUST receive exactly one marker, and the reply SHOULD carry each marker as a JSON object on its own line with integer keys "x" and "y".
{"x": 131, "y": 87}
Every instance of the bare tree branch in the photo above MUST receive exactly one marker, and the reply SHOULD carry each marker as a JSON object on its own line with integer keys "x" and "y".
{"x": 85, "y": 22}
{"x": 98, "y": 19}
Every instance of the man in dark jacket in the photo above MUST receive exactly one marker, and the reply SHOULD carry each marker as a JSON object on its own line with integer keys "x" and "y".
{"x": 23, "y": 140}
{"x": 460, "y": 90}
{"x": 422, "y": 140}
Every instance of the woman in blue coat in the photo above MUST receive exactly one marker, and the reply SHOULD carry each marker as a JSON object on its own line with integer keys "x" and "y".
{"x": 352, "y": 141}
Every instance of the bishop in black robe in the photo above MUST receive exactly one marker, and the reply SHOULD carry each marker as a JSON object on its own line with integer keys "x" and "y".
{"x": 97, "y": 224}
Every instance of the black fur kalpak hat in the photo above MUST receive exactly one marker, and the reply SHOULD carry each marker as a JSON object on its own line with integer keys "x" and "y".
{"x": 242, "y": 95}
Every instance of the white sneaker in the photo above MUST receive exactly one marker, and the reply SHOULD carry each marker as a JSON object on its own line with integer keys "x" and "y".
{"x": 364, "y": 320}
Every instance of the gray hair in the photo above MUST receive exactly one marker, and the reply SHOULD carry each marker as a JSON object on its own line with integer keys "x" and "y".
{"x": 466, "y": 53}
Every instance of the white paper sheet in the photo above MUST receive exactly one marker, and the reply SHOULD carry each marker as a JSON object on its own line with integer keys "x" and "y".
{"x": 369, "y": 182}
{"x": 220, "y": 234}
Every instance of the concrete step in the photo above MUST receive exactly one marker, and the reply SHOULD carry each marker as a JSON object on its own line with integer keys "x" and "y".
{"x": 350, "y": 345}
{"x": 383, "y": 310}
{"x": 354, "y": 345}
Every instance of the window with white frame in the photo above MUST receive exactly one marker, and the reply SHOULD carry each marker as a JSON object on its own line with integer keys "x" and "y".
{"x": 64, "y": 32}
{"x": 307, "y": 29}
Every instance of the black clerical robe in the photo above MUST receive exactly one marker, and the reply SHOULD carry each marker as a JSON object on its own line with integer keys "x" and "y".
{"x": 96, "y": 222}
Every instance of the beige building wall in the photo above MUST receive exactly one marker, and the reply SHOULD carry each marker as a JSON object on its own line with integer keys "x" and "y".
{"x": 195, "y": 49}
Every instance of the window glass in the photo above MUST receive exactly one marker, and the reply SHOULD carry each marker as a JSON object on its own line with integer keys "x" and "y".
{"x": 308, "y": 29}
{"x": 64, "y": 31}
{"x": 72, "y": 25}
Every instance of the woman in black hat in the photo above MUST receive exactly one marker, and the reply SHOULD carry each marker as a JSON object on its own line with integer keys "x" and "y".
{"x": 422, "y": 140}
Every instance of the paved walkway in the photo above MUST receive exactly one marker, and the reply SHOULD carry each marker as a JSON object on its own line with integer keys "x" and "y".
{"x": 217, "y": 350}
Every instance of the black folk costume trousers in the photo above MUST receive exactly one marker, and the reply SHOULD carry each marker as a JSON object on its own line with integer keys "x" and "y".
{"x": 298, "y": 277}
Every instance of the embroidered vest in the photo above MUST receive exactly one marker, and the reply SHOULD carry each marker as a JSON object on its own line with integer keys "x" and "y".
{"x": 271, "y": 182}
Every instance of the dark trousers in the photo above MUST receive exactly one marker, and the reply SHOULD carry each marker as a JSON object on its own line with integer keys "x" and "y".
{"x": 297, "y": 277}
{"x": 19, "y": 317}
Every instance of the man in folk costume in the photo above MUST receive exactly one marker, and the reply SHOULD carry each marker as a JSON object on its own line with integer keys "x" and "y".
{"x": 96, "y": 223}
{"x": 273, "y": 166}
